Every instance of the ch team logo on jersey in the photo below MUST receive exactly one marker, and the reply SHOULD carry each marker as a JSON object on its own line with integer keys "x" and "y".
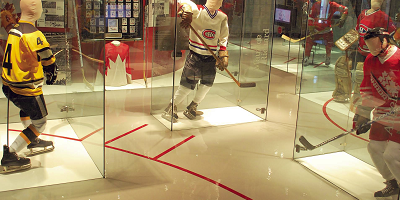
{"x": 209, "y": 34}
{"x": 363, "y": 30}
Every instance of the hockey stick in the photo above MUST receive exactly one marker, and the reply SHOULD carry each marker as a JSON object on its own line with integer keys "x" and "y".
{"x": 309, "y": 146}
{"x": 88, "y": 57}
{"x": 242, "y": 85}
{"x": 90, "y": 86}
{"x": 285, "y": 37}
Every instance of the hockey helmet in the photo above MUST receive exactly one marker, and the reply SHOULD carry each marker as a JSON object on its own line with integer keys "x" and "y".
{"x": 376, "y": 32}
{"x": 377, "y": 46}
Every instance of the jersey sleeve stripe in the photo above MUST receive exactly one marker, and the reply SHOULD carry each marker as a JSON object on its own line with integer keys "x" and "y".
{"x": 44, "y": 49}
{"x": 15, "y": 32}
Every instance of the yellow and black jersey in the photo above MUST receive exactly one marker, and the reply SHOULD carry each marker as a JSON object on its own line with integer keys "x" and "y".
{"x": 27, "y": 52}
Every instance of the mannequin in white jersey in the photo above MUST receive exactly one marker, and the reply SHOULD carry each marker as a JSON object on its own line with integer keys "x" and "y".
{"x": 212, "y": 25}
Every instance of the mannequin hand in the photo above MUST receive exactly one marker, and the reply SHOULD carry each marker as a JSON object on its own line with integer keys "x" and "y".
{"x": 51, "y": 73}
{"x": 186, "y": 19}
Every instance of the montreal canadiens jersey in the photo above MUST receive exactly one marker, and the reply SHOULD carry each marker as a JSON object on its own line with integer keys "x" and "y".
{"x": 27, "y": 52}
{"x": 369, "y": 21}
{"x": 381, "y": 83}
{"x": 325, "y": 21}
{"x": 213, "y": 28}
{"x": 116, "y": 64}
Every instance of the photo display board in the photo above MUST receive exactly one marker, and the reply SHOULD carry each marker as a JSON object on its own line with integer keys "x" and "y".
{"x": 114, "y": 19}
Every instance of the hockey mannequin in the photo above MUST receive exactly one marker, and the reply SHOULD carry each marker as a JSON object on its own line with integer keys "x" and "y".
{"x": 200, "y": 64}
{"x": 368, "y": 19}
{"x": 380, "y": 90}
{"x": 320, "y": 20}
{"x": 27, "y": 59}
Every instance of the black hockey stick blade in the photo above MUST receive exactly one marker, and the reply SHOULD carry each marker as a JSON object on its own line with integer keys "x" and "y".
{"x": 247, "y": 85}
{"x": 306, "y": 144}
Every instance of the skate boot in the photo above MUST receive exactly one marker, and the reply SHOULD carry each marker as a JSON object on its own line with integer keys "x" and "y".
{"x": 45, "y": 146}
{"x": 392, "y": 188}
{"x": 306, "y": 61}
{"x": 11, "y": 162}
{"x": 327, "y": 61}
{"x": 191, "y": 111}
{"x": 170, "y": 114}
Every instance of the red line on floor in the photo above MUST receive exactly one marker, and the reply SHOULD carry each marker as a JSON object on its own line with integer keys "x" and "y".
{"x": 289, "y": 60}
{"x": 174, "y": 147}
{"x": 50, "y": 135}
{"x": 90, "y": 134}
{"x": 334, "y": 123}
{"x": 187, "y": 171}
{"x": 127, "y": 133}
{"x": 318, "y": 65}
{"x": 79, "y": 140}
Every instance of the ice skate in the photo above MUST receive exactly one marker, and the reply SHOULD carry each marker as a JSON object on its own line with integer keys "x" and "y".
{"x": 43, "y": 145}
{"x": 191, "y": 111}
{"x": 306, "y": 61}
{"x": 11, "y": 162}
{"x": 392, "y": 188}
{"x": 170, "y": 114}
{"x": 327, "y": 61}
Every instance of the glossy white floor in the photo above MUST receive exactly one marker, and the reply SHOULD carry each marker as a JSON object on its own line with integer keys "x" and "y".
{"x": 238, "y": 161}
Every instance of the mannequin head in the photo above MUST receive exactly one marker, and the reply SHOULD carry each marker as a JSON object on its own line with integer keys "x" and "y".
{"x": 31, "y": 10}
{"x": 376, "y": 4}
{"x": 377, "y": 41}
{"x": 213, "y": 5}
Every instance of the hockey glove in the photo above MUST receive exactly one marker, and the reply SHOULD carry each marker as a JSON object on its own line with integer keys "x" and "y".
{"x": 223, "y": 56}
{"x": 342, "y": 20}
{"x": 360, "y": 119}
{"x": 51, "y": 73}
{"x": 186, "y": 14}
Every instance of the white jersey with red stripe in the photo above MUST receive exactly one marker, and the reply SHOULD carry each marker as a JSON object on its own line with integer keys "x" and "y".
{"x": 213, "y": 28}
{"x": 381, "y": 85}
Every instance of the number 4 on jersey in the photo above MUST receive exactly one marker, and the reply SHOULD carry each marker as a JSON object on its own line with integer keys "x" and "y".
{"x": 39, "y": 41}
{"x": 7, "y": 59}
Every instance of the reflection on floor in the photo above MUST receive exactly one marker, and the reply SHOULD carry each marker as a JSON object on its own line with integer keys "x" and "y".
{"x": 359, "y": 178}
{"x": 212, "y": 117}
{"x": 69, "y": 162}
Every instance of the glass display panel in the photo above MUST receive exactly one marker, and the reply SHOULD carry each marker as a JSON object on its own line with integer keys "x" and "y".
{"x": 220, "y": 101}
{"x": 333, "y": 74}
{"x": 75, "y": 106}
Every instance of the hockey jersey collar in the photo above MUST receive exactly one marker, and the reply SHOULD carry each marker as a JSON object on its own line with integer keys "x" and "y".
{"x": 23, "y": 21}
{"x": 366, "y": 10}
{"x": 209, "y": 13}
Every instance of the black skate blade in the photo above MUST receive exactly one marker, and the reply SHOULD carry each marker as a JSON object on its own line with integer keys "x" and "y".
{"x": 33, "y": 152}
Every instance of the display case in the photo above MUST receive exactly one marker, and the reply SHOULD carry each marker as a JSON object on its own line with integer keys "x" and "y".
{"x": 329, "y": 93}
{"x": 75, "y": 122}
{"x": 227, "y": 102}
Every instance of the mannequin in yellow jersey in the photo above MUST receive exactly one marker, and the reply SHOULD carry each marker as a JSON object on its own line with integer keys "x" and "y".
{"x": 27, "y": 59}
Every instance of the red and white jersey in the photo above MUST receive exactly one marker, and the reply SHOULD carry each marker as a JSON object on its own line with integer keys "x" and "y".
{"x": 369, "y": 21}
{"x": 326, "y": 20}
{"x": 381, "y": 85}
{"x": 213, "y": 28}
{"x": 116, "y": 64}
